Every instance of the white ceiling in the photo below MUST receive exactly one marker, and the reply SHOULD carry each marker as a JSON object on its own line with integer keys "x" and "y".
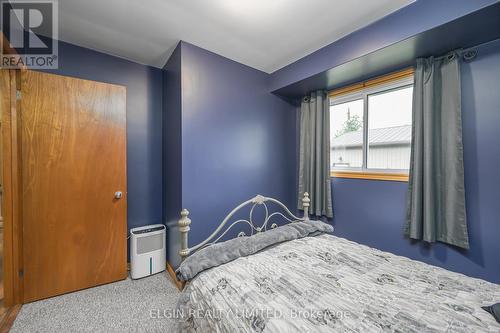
{"x": 264, "y": 34}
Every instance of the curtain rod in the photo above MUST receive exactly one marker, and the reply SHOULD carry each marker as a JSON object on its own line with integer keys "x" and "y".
{"x": 482, "y": 44}
{"x": 470, "y": 53}
{"x": 467, "y": 54}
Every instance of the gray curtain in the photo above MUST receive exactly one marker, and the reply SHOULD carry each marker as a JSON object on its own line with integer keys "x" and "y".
{"x": 314, "y": 154}
{"x": 436, "y": 192}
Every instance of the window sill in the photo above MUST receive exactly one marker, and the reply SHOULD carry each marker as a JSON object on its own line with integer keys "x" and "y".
{"x": 398, "y": 177}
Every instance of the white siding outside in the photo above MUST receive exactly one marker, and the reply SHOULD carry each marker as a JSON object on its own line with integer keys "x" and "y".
{"x": 385, "y": 157}
{"x": 389, "y": 149}
{"x": 397, "y": 157}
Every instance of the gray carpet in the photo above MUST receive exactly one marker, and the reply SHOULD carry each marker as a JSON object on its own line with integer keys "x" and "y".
{"x": 124, "y": 306}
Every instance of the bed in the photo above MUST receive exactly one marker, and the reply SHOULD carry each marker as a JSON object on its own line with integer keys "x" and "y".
{"x": 314, "y": 281}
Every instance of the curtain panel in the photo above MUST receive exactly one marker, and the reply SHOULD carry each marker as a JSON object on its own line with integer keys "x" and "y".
{"x": 436, "y": 192}
{"x": 314, "y": 154}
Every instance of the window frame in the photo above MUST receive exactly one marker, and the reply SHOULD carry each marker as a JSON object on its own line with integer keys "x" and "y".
{"x": 390, "y": 82}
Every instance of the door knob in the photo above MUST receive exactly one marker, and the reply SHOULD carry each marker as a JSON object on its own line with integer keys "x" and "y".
{"x": 118, "y": 195}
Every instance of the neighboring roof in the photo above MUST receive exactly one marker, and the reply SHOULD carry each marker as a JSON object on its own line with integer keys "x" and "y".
{"x": 377, "y": 136}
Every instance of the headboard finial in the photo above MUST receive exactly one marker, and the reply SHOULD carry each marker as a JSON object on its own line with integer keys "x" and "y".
{"x": 184, "y": 213}
{"x": 305, "y": 204}
{"x": 184, "y": 228}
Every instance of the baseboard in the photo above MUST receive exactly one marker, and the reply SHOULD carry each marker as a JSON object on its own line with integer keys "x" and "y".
{"x": 180, "y": 284}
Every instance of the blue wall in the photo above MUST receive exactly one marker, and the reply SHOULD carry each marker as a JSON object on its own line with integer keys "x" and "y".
{"x": 237, "y": 140}
{"x": 144, "y": 128}
{"x": 172, "y": 144}
{"x": 373, "y": 212}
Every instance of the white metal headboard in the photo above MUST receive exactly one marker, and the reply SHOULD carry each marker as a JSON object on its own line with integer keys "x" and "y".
{"x": 258, "y": 200}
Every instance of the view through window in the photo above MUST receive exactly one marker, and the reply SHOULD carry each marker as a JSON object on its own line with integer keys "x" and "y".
{"x": 346, "y": 132}
{"x": 389, "y": 129}
{"x": 370, "y": 130}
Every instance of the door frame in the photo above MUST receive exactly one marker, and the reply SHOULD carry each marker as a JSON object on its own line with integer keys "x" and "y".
{"x": 11, "y": 196}
{"x": 10, "y": 80}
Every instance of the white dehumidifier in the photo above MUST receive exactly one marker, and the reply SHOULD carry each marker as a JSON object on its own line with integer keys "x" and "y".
{"x": 147, "y": 250}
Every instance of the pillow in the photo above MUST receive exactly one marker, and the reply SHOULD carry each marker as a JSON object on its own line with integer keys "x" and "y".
{"x": 221, "y": 253}
{"x": 494, "y": 310}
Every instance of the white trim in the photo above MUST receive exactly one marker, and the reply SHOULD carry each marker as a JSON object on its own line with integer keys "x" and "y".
{"x": 344, "y": 98}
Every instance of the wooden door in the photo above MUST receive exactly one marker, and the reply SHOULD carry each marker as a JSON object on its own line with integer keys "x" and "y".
{"x": 73, "y": 151}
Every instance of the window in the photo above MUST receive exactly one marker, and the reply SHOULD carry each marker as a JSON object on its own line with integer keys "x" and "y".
{"x": 346, "y": 131}
{"x": 370, "y": 128}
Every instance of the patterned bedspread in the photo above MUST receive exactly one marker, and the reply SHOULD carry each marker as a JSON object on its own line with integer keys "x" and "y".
{"x": 329, "y": 284}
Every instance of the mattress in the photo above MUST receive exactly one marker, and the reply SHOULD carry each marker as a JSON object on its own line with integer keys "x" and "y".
{"x": 330, "y": 284}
